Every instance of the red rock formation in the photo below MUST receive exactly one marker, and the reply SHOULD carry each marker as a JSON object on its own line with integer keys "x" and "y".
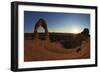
{"x": 41, "y": 22}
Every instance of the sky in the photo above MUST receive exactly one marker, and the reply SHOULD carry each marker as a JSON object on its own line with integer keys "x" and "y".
{"x": 57, "y": 22}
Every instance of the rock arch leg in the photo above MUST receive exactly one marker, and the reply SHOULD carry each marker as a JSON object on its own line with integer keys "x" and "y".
{"x": 35, "y": 32}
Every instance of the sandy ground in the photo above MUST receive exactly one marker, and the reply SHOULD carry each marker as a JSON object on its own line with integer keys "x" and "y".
{"x": 39, "y": 50}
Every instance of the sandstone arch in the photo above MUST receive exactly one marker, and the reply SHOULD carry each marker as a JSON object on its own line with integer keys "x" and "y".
{"x": 41, "y": 22}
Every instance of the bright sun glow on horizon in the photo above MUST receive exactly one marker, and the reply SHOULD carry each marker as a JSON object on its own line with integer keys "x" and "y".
{"x": 75, "y": 30}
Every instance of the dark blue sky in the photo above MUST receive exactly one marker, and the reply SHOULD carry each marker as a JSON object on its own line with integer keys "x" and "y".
{"x": 57, "y": 22}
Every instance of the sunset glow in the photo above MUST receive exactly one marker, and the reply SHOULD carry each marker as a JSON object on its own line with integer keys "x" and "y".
{"x": 75, "y": 30}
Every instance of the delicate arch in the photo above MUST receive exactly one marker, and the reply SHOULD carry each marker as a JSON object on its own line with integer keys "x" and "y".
{"x": 41, "y": 22}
